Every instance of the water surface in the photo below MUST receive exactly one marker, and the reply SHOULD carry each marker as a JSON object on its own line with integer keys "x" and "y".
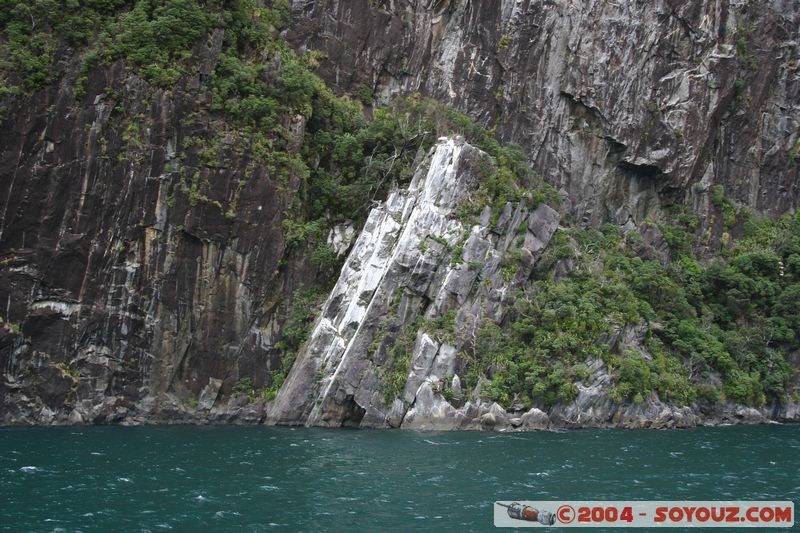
{"x": 263, "y": 479}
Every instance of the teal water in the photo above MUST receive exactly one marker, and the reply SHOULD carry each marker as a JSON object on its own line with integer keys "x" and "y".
{"x": 263, "y": 479}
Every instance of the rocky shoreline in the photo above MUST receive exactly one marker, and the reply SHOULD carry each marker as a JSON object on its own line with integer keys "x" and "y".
{"x": 432, "y": 412}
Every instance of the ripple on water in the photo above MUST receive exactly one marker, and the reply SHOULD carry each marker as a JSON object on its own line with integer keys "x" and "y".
{"x": 399, "y": 475}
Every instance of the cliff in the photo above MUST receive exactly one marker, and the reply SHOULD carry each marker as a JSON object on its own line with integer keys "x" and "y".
{"x": 626, "y": 106}
{"x": 197, "y": 229}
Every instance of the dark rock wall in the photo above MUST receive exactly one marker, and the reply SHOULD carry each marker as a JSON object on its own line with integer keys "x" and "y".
{"x": 627, "y": 106}
{"x": 119, "y": 295}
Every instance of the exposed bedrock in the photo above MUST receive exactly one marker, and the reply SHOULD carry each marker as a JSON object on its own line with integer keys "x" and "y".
{"x": 627, "y": 106}
{"x": 401, "y": 273}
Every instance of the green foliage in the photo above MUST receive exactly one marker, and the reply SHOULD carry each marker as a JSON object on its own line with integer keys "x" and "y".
{"x": 73, "y": 374}
{"x": 440, "y": 328}
{"x": 32, "y": 29}
{"x": 11, "y": 327}
{"x": 365, "y": 95}
{"x": 739, "y": 87}
{"x": 244, "y": 386}
{"x": 505, "y": 41}
{"x": 734, "y": 318}
{"x": 724, "y": 205}
{"x": 155, "y": 37}
{"x": 155, "y": 34}
{"x": 794, "y": 151}
{"x": 399, "y": 363}
{"x": 680, "y": 233}
{"x": 302, "y": 310}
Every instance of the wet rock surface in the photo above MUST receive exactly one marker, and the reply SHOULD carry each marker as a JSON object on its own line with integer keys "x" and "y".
{"x": 124, "y": 302}
{"x": 402, "y": 270}
{"x": 122, "y": 294}
{"x": 627, "y": 106}
{"x": 390, "y": 283}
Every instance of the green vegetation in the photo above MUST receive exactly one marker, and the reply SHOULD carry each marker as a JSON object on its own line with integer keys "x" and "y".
{"x": 794, "y": 151}
{"x": 744, "y": 37}
{"x": 264, "y": 101}
{"x": 440, "y": 328}
{"x": 71, "y": 373}
{"x": 13, "y": 328}
{"x": 734, "y": 318}
{"x": 244, "y": 386}
{"x": 400, "y": 346}
{"x": 155, "y": 37}
{"x": 399, "y": 363}
{"x": 32, "y": 30}
{"x": 724, "y": 205}
{"x": 712, "y": 331}
{"x": 505, "y": 41}
{"x": 301, "y": 312}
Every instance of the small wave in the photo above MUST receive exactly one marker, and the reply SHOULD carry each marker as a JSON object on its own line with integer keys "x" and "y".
{"x": 30, "y": 469}
{"x": 200, "y": 498}
{"x": 436, "y": 443}
{"x": 124, "y": 479}
{"x": 96, "y": 453}
{"x": 269, "y": 488}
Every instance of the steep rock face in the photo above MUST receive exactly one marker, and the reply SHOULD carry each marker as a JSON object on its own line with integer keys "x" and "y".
{"x": 132, "y": 290}
{"x": 626, "y": 106}
{"x": 400, "y": 326}
{"x": 133, "y": 287}
{"x": 402, "y": 275}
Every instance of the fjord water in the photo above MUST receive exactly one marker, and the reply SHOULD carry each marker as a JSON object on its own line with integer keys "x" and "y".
{"x": 260, "y": 479}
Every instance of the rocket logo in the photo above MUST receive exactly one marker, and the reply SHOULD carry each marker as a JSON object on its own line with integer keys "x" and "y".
{"x": 518, "y": 511}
